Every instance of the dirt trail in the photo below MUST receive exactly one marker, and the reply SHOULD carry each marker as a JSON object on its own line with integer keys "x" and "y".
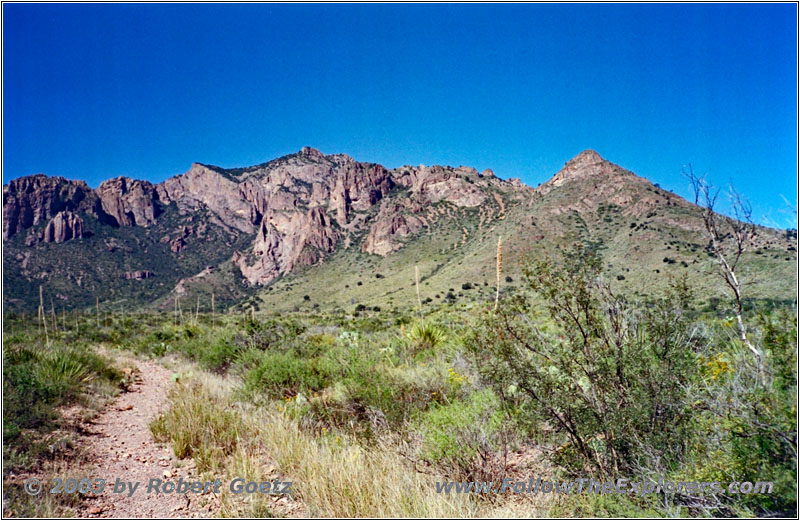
{"x": 120, "y": 445}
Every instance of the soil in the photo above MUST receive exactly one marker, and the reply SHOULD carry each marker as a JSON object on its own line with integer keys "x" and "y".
{"x": 120, "y": 445}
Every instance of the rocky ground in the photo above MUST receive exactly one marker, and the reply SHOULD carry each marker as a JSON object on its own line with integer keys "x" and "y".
{"x": 120, "y": 445}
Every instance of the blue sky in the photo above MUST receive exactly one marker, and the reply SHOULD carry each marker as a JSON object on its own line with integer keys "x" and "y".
{"x": 95, "y": 91}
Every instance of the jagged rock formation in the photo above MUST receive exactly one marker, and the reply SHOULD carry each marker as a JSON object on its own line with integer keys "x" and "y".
{"x": 63, "y": 227}
{"x": 128, "y": 202}
{"x": 33, "y": 200}
{"x": 286, "y": 240}
{"x": 391, "y": 225}
{"x": 439, "y": 183}
{"x": 268, "y": 220}
{"x": 208, "y": 187}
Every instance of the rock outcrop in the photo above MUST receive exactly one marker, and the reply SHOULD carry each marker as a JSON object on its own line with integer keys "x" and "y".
{"x": 298, "y": 208}
{"x": 585, "y": 165}
{"x": 287, "y": 240}
{"x": 249, "y": 226}
{"x": 214, "y": 190}
{"x": 128, "y": 202}
{"x": 33, "y": 200}
{"x": 138, "y": 275}
{"x": 391, "y": 225}
{"x": 439, "y": 183}
{"x": 63, "y": 227}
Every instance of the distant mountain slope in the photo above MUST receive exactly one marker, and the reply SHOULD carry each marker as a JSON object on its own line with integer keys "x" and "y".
{"x": 305, "y": 229}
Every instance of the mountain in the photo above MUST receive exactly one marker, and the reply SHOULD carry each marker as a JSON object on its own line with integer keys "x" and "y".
{"x": 313, "y": 230}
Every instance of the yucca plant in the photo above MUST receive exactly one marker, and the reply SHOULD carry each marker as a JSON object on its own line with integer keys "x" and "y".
{"x": 425, "y": 335}
{"x": 61, "y": 372}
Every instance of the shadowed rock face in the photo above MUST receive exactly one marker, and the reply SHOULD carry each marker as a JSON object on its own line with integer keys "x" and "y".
{"x": 33, "y": 200}
{"x": 128, "y": 202}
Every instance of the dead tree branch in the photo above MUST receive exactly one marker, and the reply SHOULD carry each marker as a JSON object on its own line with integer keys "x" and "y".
{"x": 729, "y": 238}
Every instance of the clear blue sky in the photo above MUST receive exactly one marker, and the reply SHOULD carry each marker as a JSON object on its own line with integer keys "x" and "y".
{"x": 95, "y": 91}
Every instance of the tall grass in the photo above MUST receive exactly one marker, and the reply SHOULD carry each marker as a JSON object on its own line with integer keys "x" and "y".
{"x": 333, "y": 475}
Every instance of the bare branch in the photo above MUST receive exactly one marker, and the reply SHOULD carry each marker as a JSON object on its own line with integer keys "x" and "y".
{"x": 729, "y": 239}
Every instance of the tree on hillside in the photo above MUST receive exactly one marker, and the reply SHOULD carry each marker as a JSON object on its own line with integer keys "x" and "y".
{"x": 729, "y": 238}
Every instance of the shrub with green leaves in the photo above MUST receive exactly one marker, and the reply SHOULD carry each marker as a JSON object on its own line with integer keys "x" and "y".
{"x": 604, "y": 381}
{"x": 460, "y": 436}
{"x": 284, "y": 374}
{"x": 751, "y": 422}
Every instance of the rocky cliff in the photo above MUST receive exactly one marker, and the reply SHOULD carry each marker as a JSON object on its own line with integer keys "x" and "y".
{"x": 269, "y": 220}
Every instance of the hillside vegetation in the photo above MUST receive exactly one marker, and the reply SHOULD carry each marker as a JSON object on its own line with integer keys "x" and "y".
{"x": 366, "y": 411}
{"x": 312, "y": 231}
{"x": 376, "y": 333}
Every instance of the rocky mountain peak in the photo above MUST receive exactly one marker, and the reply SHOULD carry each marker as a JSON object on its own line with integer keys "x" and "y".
{"x": 259, "y": 223}
{"x": 587, "y": 157}
{"x": 583, "y": 166}
{"x": 311, "y": 152}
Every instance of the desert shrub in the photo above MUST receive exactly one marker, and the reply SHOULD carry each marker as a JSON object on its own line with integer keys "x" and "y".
{"x": 461, "y": 436}
{"x": 750, "y": 421}
{"x": 265, "y": 334}
{"x": 284, "y": 374}
{"x": 316, "y": 344}
{"x": 37, "y": 379}
{"x": 371, "y": 390}
{"x": 605, "y": 382}
{"x": 219, "y": 354}
{"x": 645, "y": 388}
{"x": 613, "y": 506}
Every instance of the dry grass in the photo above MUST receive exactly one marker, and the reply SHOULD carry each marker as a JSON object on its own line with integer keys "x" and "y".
{"x": 333, "y": 476}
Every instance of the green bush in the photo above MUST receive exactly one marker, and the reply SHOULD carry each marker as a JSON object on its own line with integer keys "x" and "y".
{"x": 460, "y": 436}
{"x": 592, "y": 371}
{"x": 221, "y": 352}
{"x": 751, "y": 421}
{"x": 37, "y": 379}
{"x": 279, "y": 374}
{"x": 424, "y": 335}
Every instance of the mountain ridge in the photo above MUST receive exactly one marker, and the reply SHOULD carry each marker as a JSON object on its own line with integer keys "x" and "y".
{"x": 252, "y": 226}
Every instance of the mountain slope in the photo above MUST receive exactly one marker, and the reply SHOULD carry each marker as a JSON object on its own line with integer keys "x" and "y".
{"x": 311, "y": 230}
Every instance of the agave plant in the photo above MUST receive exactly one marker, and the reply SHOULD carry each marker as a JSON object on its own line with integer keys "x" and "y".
{"x": 425, "y": 335}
